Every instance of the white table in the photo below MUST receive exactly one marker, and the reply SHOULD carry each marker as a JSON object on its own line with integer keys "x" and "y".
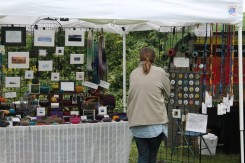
{"x": 72, "y": 143}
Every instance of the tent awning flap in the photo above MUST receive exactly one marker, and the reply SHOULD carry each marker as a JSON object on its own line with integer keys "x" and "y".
{"x": 208, "y": 11}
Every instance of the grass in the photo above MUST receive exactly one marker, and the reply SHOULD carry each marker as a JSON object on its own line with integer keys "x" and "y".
{"x": 182, "y": 155}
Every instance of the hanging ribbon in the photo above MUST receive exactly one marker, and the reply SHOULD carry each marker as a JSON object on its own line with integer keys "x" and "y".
{"x": 232, "y": 61}
{"x": 90, "y": 50}
{"x": 211, "y": 62}
{"x": 95, "y": 76}
{"x": 204, "y": 64}
{"x": 222, "y": 61}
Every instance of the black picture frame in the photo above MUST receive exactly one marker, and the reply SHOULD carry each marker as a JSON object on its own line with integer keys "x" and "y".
{"x": 13, "y": 36}
{"x": 67, "y": 86}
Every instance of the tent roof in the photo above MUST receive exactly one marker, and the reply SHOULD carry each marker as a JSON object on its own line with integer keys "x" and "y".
{"x": 114, "y": 14}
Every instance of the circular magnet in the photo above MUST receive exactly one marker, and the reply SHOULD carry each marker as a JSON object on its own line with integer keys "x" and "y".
{"x": 197, "y": 89}
{"x": 197, "y": 82}
{"x": 172, "y": 95}
{"x": 197, "y": 76}
{"x": 186, "y": 82}
{"x": 180, "y": 89}
{"x": 191, "y": 102}
{"x": 180, "y": 102}
{"x": 201, "y": 66}
{"x": 197, "y": 95}
{"x": 185, "y": 102}
{"x": 173, "y": 75}
{"x": 191, "y": 76}
{"x": 186, "y": 76}
{"x": 191, "y": 82}
{"x": 191, "y": 89}
{"x": 180, "y": 76}
{"x": 180, "y": 95}
{"x": 180, "y": 82}
{"x": 185, "y": 95}
{"x": 197, "y": 102}
{"x": 191, "y": 95}
{"x": 172, "y": 82}
{"x": 171, "y": 101}
{"x": 185, "y": 89}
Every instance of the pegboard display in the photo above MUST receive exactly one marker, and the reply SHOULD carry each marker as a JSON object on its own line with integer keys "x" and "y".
{"x": 185, "y": 89}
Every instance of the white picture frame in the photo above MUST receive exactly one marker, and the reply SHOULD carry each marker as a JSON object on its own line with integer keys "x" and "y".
{"x": 79, "y": 75}
{"x": 41, "y": 111}
{"x": 74, "y": 37}
{"x": 55, "y": 76}
{"x": 46, "y": 65}
{"x": 102, "y": 110}
{"x": 29, "y": 74}
{"x": 18, "y": 59}
{"x": 76, "y": 58}
{"x": 42, "y": 52}
{"x": 44, "y": 38}
{"x": 12, "y": 82}
{"x": 59, "y": 50}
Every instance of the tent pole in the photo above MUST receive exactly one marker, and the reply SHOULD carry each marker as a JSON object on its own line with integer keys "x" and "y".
{"x": 240, "y": 69}
{"x": 124, "y": 73}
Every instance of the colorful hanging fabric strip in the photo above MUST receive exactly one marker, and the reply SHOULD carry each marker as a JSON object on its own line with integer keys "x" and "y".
{"x": 211, "y": 62}
{"x": 90, "y": 51}
{"x": 204, "y": 64}
{"x": 222, "y": 62}
{"x": 232, "y": 60}
{"x": 95, "y": 76}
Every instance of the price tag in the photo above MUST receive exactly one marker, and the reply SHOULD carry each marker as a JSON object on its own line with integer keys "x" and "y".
{"x": 104, "y": 84}
{"x": 83, "y": 117}
{"x": 10, "y": 95}
{"x": 90, "y": 85}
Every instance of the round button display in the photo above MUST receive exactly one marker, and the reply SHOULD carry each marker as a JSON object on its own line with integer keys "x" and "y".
{"x": 180, "y": 76}
{"x": 191, "y": 76}
{"x": 186, "y": 82}
{"x": 185, "y": 89}
{"x": 180, "y": 95}
{"x": 180, "y": 82}
{"x": 191, "y": 89}
{"x": 197, "y": 76}
{"x": 197, "y": 96}
{"x": 185, "y": 102}
{"x": 172, "y": 82}
{"x": 197, "y": 89}
{"x": 173, "y": 75}
{"x": 197, "y": 82}
{"x": 171, "y": 101}
{"x": 172, "y": 94}
{"x": 180, "y": 102}
{"x": 185, "y": 95}
{"x": 191, "y": 82}
{"x": 201, "y": 66}
{"x": 191, "y": 96}
{"x": 191, "y": 102}
{"x": 197, "y": 102}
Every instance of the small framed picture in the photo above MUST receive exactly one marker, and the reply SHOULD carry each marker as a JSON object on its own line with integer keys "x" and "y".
{"x": 59, "y": 51}
{"x": 74, "y": 37}
{"x": 18, "y": 59}
{"x": 45, "y": 65}
{"x": 41, "y": 111}
{"x": 76, "y": 59}
{"x": 29, "y": 74}
{"x": 79, "y": 75}
{"x": 44, "y": 38}
{"x": 34, "y": 88}
{"x": 42, "y": 52}
{"x": 13, "y": 36}
{"x": 102, "y": 110}
{"x": 55, "y": 76}
{"x": 12, "y": 82}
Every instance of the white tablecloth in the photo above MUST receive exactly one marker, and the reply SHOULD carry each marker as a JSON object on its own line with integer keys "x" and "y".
{"x": 78, "y": 143}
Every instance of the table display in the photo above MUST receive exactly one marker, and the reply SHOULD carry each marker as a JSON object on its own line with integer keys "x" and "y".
{"x": 74, "y": 143}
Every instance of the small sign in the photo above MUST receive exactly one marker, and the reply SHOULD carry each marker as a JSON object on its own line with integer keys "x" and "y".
{"x": 104, "y": 84}
{"x": 181, "y": 62}
{"x": 90, "y": 85}
{"x": 10, "y": 95}
{"x": 196, "y": 122}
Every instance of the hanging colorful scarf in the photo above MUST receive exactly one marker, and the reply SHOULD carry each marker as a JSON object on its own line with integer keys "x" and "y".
{"x": 222, "y": 63}
{"x": 211, "y": 62}
{"x": 232, "y": 60}
{"x": 95, "y": 76}
{"x": 90, "y": 52}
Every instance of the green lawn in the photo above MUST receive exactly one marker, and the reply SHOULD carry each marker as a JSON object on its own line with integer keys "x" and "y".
{"x": 184, "y": 156}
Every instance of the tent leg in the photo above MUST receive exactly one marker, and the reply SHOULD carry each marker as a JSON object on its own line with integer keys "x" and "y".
{"x": 240, "y": 69}
{"x": 124, "y": 73}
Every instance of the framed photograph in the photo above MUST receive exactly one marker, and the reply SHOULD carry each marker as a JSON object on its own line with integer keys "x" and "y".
{"x": 42, "y": 52}
{"x": 102, "y": 110}
{"x": 74, "y": 37}
{"x": 79, "y": 75}
{"x": 76, "y": 59}
{"x": 41, "y": 111}
{"x": 44, "y": 38}
{"x": 12, "y": 82}
{"x": 67, "y": 86}
{"x": 45, "y": 65}
{"x": 55, "y": 76}
{"x": 29, "y": 74}
{"x": 34, "y": 88}
{"x": 59, "y": 50}
{"x": 18, "y": 59}
{"x": 13, "y": 36}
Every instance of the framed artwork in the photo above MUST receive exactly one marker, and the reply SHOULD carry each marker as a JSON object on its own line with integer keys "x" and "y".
{"x": 12, "y": 82}
{"x": 41, "y": 111}
{"x": 18, "y": 59}
{"x": 79, "y": 75}
{"x": 45, "y": 65}
{"x": 42, "y": 52}
{"x": 44, "y": 38}
{"x": 102, "y": 110}
{"x": 13, "y": 36}
{"x": 76, "y": 59}
{"x": 55, "y": 76}
{"x": 34, "y": 88}
{"x": 59, "y": 51}
{"x": 67, "y": 86}
{"x": 29, "y": 74}
{"x": 74, "y": 37}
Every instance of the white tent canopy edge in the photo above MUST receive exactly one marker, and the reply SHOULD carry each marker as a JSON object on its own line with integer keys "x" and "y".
{"x": 120, "y": 13}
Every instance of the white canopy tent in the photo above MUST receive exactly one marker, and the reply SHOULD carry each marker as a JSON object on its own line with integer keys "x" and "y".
{"x": 112, "y": 15}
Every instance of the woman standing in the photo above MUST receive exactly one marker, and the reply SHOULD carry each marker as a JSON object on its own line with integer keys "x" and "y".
{"x": 147, "y": 114}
